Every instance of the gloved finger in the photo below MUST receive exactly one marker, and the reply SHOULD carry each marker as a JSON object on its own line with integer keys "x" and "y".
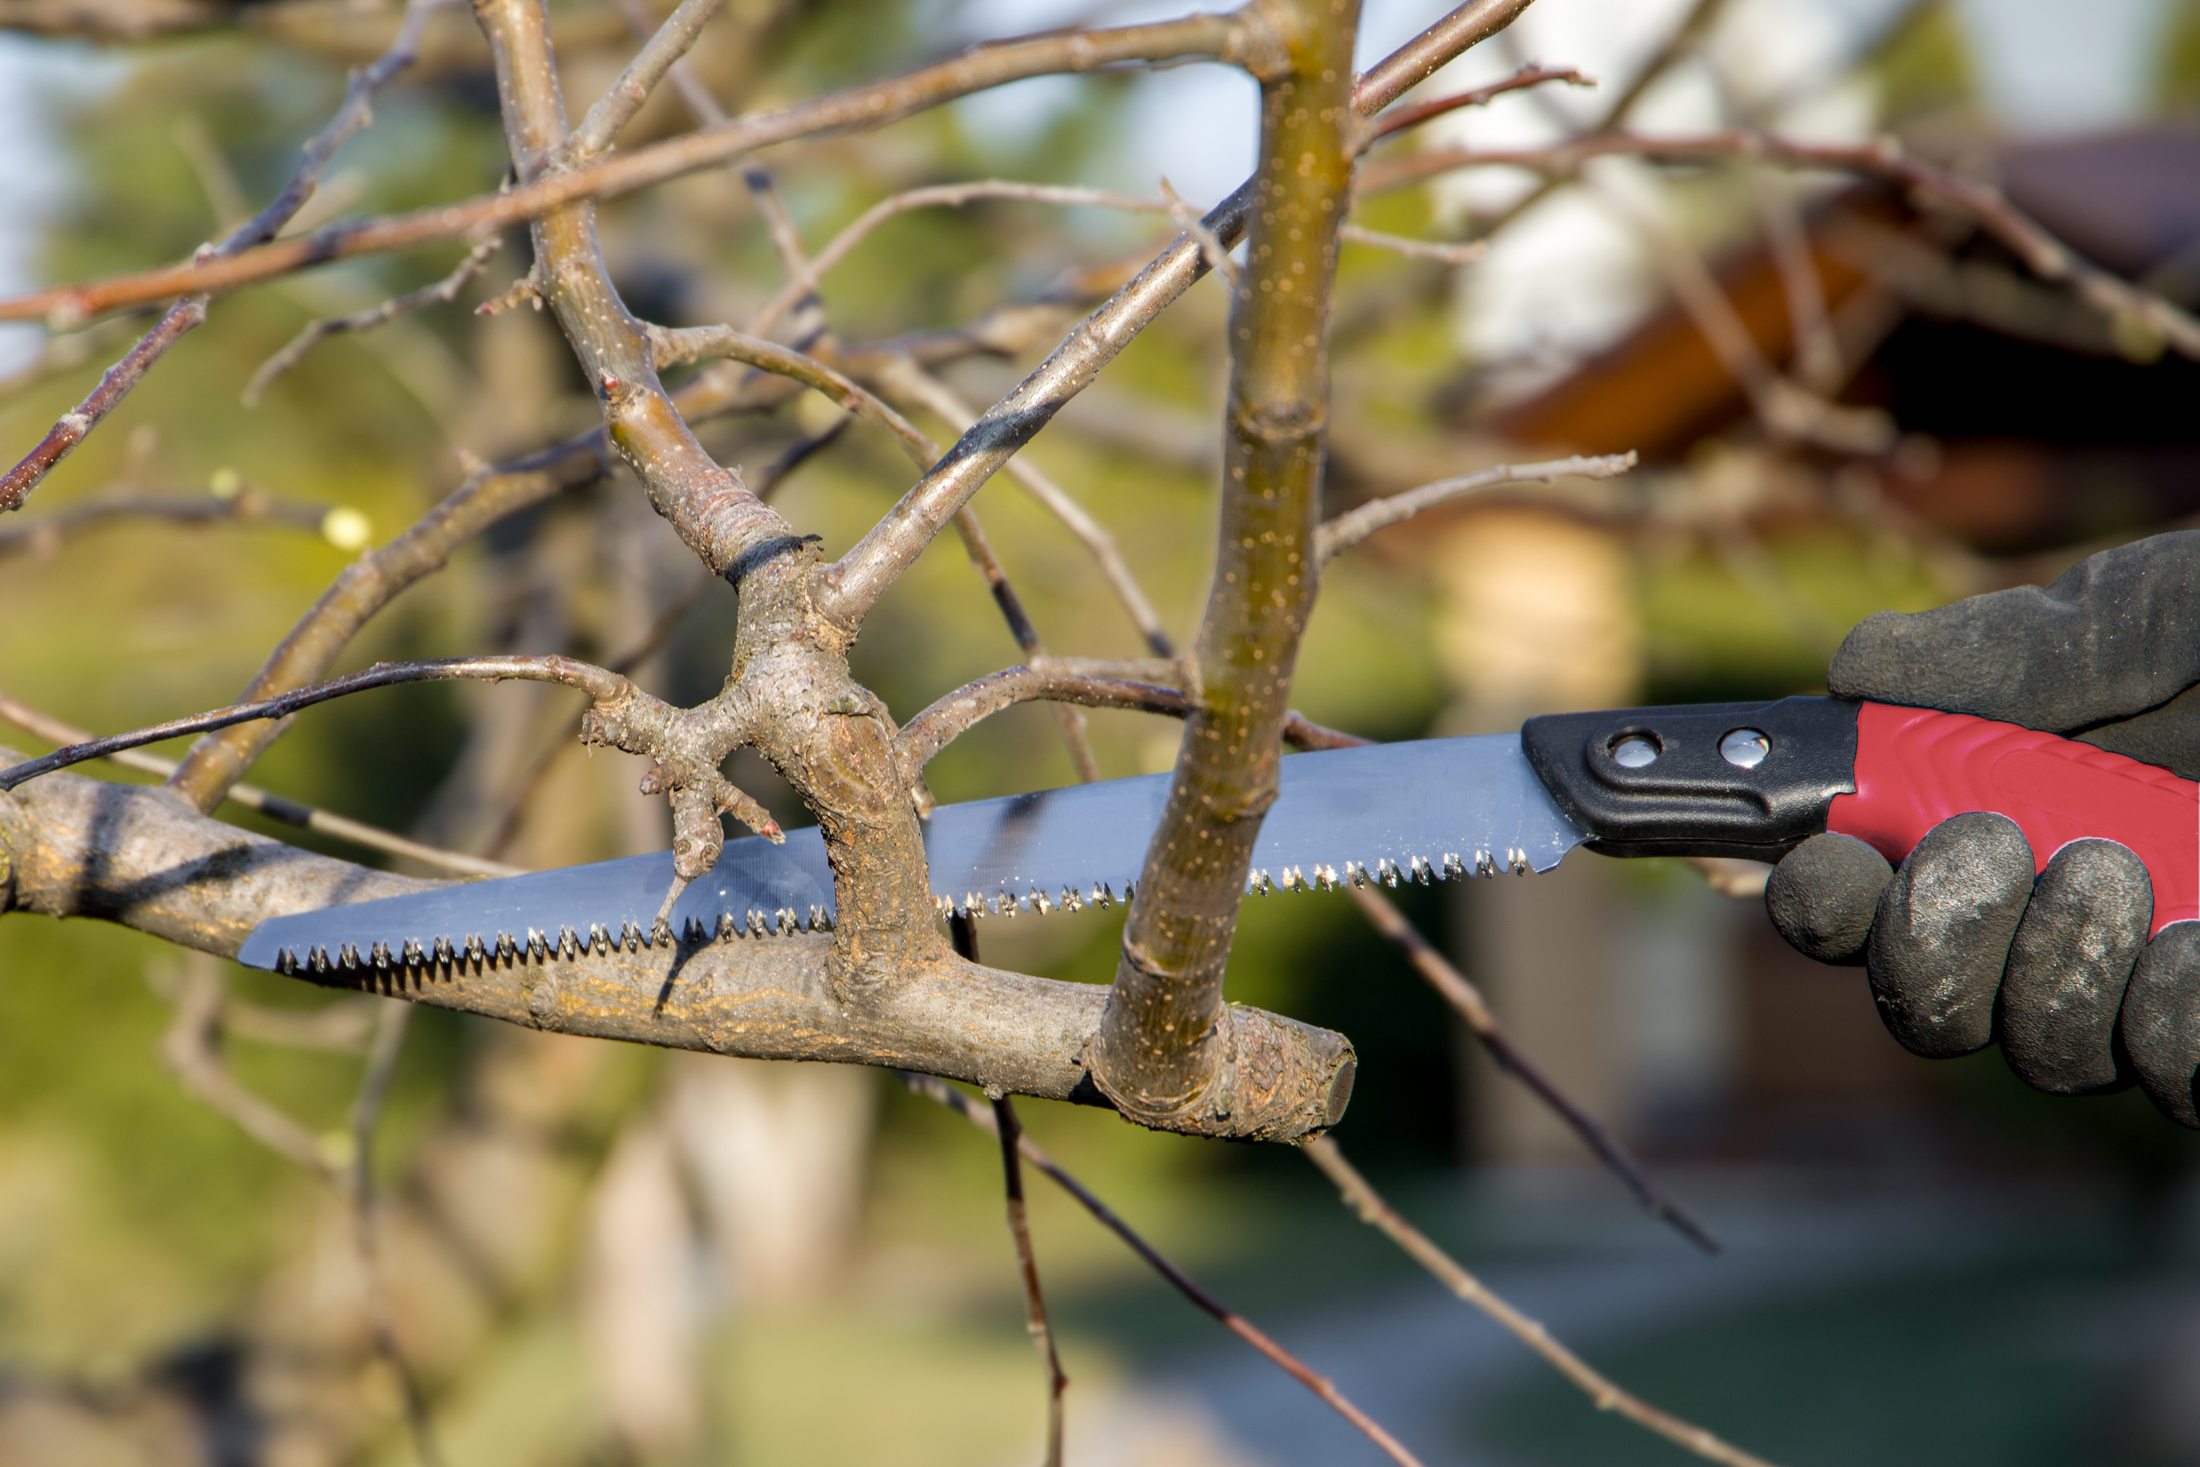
{"x": 1823, "y": 895}
{"x": 2069, "y": 965}
{"x": 2161, "y": 1021}
{"x": 1943, "y": 931}
{"x": 2114, "y": 636}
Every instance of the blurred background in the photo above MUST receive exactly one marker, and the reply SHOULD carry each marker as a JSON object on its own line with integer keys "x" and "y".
{"x": 1846, "y": 400}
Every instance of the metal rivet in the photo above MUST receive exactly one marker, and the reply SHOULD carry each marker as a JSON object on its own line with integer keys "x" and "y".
{"x": 1745, "y": 748}
{"x": 1636, "y": 751}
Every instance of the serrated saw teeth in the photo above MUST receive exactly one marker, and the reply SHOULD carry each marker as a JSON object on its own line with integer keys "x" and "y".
{"x": 1483, "y": 865}
{"x": 1453, "y": 866}
{"x": 1518, "y": 860}
{"x": 820, "y": 919}
{"x": 1257, "y": 883}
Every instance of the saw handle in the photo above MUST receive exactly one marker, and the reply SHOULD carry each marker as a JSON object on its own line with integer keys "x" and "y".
{"x": 1755, "y": 780}
{"x": 1916, "y": 767}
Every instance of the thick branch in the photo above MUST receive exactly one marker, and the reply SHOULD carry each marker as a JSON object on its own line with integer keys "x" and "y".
{"x": 873, "y": 564}
{"x": 1165, "y": 1048}
{"x": 76, "y": 847}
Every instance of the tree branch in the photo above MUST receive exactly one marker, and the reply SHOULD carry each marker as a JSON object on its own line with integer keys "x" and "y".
{"x": 617, "y": 106}
{"x": 1373, "y": 1210}
{"x": 1350, "y": 528}
{"x": 1218, "y": 37}
{"x": 873, "y": 564}
{"x": 1061, "y": 680}
{"x": 2046, "y": 256}
{"x": 186, "y": 314}
{"x": 274, "y": 807}
{"x": 43, "y": 535}
{"x": 76, "y": 847}
{"x": 442, "y": 292}
{"x": 1527, "y": 76}
{"x": 1182, "y": 1282}
{"x": 1466, "y": 1000}
{"x": 603, "y": 686}
{"x": 1165, "y": 1048}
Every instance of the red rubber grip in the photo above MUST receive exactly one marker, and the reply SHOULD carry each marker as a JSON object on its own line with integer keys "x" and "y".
{"x": 1916, "y": 767}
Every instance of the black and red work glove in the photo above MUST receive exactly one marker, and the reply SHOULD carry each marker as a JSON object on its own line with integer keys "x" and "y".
{"x": 1965, "y": 946}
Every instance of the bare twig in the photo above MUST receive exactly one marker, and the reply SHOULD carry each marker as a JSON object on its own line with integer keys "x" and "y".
{"x": 274, "y": 807}
{"x": 1527, "y": 76}
{"x": 351, "y": 115}
{"x": 383, "y": 1050}
{"x": 904, "y": 377}
{"x": 1443, "y": 252}
{"x": 1350, "y": 528}
{"x": 1210, "y": 244}
{"x": 1222, "y": 37}
{"x": 114, "y": 385}
{"x": 2046, "y": 256}
{"x": 1373, "y": 1210}
{"x": 963, "y": 933}
{"x": 1035, "y": 1307}
{"x": 1206, "y": 1303}
{"x": 1466, "y": 1000}
{"x": 599, "y": 683}
{"x": 1061, "y": 680}
{"x": 442, "y": 292}
{"x": 873, "y": 564}
{"x": 189, "y": 1047}
{"x": 248, "y": 505}
{"x": 805, "y": 278}
{"x": 600, "y": 128}
{"x": 1787, "y": 410}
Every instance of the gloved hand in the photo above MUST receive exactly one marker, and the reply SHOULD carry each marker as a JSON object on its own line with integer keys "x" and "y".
{"x": 1963, "y": 947}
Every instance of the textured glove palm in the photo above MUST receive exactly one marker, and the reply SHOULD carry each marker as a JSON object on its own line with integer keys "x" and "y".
{"x": 1963, "y": 945}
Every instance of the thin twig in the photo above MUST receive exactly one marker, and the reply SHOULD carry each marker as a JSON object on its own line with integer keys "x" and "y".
{"x": 274, "y": 807}
{"x": 1035, "y": 1306}
{"x": 248, "y": 505}
{"x": 1785, "y": 409}
{"x": 1237, "y": 1324}
{"x": 1372, "y": 1209}
{"x": 904, "y": 377}
{"x": 383, "y": 1050}
{"x": 804, "y": 279}
{"x": 1210, "y": 244}
{"x": 963, "y": 934}
{"x": 862, "y": 575}
{"x": 2046, "y": 256}
{"x": 189, "y": 1047}
{"x": 873, "y": 105}
{"x": 617, "y": 106}
{"x": 442, "y": 292}
{"x": 1443, "y": 252}
{"x": 1466, "y": 999}
{"x": 596, "y": 681}
{"x": 1528, "y": 76}
{"x": 351, "y": 115}
{"x": 1348, "y": 529}
{"x": 1059, "y": 680}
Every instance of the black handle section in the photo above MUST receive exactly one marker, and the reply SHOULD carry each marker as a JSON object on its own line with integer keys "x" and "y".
{"x": 1655, "y": 782}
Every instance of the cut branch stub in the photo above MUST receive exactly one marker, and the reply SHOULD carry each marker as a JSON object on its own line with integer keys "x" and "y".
{"x": 1168, "y": 1051}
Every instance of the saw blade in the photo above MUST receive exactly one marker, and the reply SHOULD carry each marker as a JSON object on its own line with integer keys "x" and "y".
{"x": 1387, "y": 813}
